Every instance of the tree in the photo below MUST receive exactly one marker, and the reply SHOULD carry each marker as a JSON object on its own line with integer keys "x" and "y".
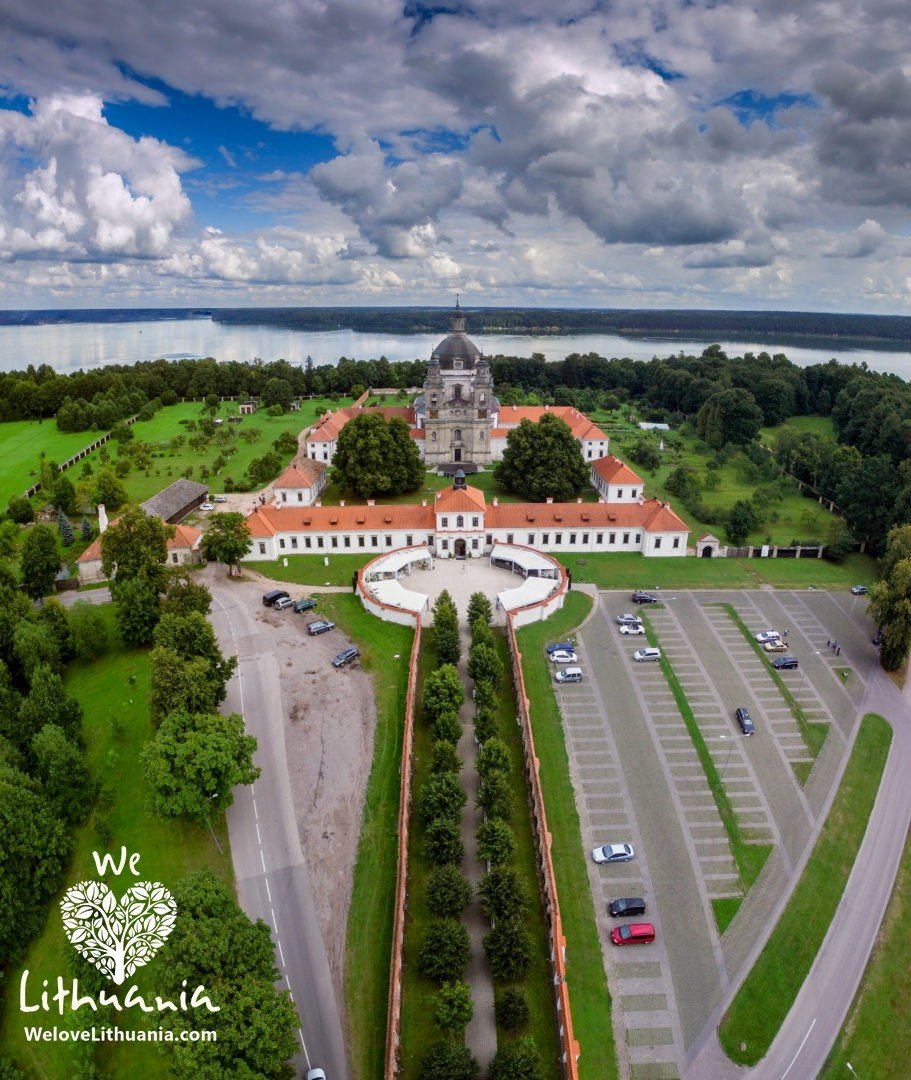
{"x": 227, "y": 539}
{"x": 484, "y": 665}
{"x": 108, "y": 491}
{"x": 729, "y": 416}
{"x": 839, "y": 539}
{"x": 278, "y": 392}
{"x": 485, "y": 723}
{"x": 20, "y": 510}
{"x": 446, "y": 728}
{"x": 263, "y": 470}
{"x": 683, "y": 482}
{"x": 890, "y": 607}
{"x": 40, "y": 561}
{"x": 445, "y": 951}
{"x": 194, "y": 762}
{"x": 493, "y": 755}
{"x": 898, "y": 547}
{"x": 453, "y": 1007}
{"x": 64, "y": 529}
{"x": 496, "y": 842}
{"x": 65, "y": 780}
{"x": 543, "y": 460}
{"x": 86, "y": 531}
{"x": 136, "y": 547}
{"x": 63, "y": 495}
{"x": 508, "y": 950}
{"x": 443, "y": 692}
{"x": 503, "y": 895}
{"x": 645, "y": 453}
{"x": 517, "y": 1061}
{"x": 741, "y": 521}
{"x": 34, "y": 644}
{"x": 55, "y": 617}
{"x": 441, "y": 796}
{"x": 448, "y": 1060}
{"x": 89, "y": 630}
{"x": 286, "y": 444}
{"x": 136, "y": 611}
{"x": 10, "y": 534}
{"x": 179, "y": 685}
{"x": 445, "y": 757}
{"x": 495, "y": 794}
{"x": 443, "y": 842}
{"x": 46, "y": 703}
{"x": 448, "y": 891}
{"x": 446, "y": 630}
{"x": 512, "y": 1009}
{"x": 479, "y": 608}
{"x": 182, "y": 594}
{"x": 191, "y": 636}
{"x": 375, "y": 458}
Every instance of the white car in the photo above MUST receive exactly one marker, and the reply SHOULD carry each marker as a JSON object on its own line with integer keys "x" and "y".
{"x": 563, "y": 657}
{"x": 221, "y": 498}
{"x": 767, "y": 635}
{"x": 316, "y": 1074}
{"x": 611, "y": 853}
{"x": 630, "y": 628}
{"x": 207, "y": 506}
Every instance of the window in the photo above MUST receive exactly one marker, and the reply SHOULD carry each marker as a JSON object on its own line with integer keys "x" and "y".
{"x": 612, "y": 539}
{"x": 482, "y": 397}
{"x": 284, "y": 496}
{"x": 325, "y": 455}
{"x": 300, "y": 496}
{"x": 294, "y": 542}
{"x": 460, "y": 521}
{"x": 374, "y": 541}
{"x": 599, "y": 538}
{"x": 444, "y": 522}
{"x": 509, "y": 538}
{"x": 333, "y": 542}
{"x": 638, "y": 538}
{"x": 676, "y": 543}
{"x": 657, "y": 542}
{"x": 558, "y": 539}
{"x": 430, "y": 540}
{"x": 545, "y": 538}
{"x": 409, "y": 540}
{"x": 531, "y": 539}
{"x": 457, "y": 365}
{"x": 457, "y": 390}
{"x": 262, "y": 549}
{"x": 481, "y": 437}
{"x": 572, "y": 538}
{"x": 347, "y": 541}
{"x": 475, "y": 522}
{"x": 589, "y": 453}
{"x": 444, "y": 544}
{"x": 173, "y": 556}
{"x": 619, "y": 493}
{"x": 388, "y": 541}
{"x": 489, "y": 539}
{"x": 585, "y": 538}
{"x": 626, "y": 538}
{"x": 362, "y": 541}
{"x": 457, "y": 434}
{"x": 281, "y": 544}
{"x": 320, "y": 543}
{"x": 634, "y": 492}
{"x": 433, "y": 436}
{"x": 307, "y": 542}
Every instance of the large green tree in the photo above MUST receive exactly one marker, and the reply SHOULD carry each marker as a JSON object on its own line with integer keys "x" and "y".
{"x": 227, "y": 539}
{"x": 542, "y": 461}
{"x": 194, "y": 762}
{"x": 374, "y": 458}
{"x": 176, "y": 684}
{"x": 65, "y": 779}
{"x": 890, "y": 606}
{"x": 191, "y": 636}
{"x": 40, "y": 561}
{"x": 729, "y": 416}
{"x": 136, "y": 546}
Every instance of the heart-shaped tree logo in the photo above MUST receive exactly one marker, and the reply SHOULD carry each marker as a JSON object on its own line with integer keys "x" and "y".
{"x": 117, "y": 937}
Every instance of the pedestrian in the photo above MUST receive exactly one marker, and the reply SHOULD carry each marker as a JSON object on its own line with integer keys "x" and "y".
{"x": 828, "y": 643}
{"x": 785, "y": 634}
{"x": 838, "y": 651}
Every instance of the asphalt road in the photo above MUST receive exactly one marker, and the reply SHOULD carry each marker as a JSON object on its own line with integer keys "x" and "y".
{"x": 272, "y": 878}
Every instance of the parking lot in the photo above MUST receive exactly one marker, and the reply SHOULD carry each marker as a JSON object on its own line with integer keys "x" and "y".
{"x": 638, "y": 779}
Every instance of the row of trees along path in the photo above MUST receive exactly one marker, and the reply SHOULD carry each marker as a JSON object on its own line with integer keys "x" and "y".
{"x": 481, "y": 1033}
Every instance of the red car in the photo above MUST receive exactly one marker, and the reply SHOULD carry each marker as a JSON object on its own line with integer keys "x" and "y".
{"x": 642, "y": 933}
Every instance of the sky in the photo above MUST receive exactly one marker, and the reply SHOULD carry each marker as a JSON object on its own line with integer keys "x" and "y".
{"x": 609, "y": 153}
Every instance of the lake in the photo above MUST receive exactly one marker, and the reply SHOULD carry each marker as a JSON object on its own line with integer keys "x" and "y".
{"x": 69, "y": 346}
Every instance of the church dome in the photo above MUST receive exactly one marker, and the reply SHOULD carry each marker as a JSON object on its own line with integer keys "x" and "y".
{"x": 456, "y": 351}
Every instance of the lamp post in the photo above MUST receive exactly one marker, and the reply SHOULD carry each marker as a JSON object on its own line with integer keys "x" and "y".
{"x": 728, "y": 755}
{"x": 851, "y": 1069}
{"x": 214, "y": 795}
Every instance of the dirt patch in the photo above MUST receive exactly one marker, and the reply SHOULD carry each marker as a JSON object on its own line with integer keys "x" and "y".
{"x": 329, "y": 725}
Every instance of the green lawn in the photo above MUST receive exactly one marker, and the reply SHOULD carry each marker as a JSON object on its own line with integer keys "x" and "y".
{"x": 764, "y": 999}
{"x": 589, "y": 996}
{"x": 385, "y": 651}
{"x": 819, "y": 425}
{"x": 114, "y": 694}
{"x": 876, "y": 1038}
{"x": 21, "y": 445}
{"x": 311, "y": 569}
{"x": 633, "y": 571}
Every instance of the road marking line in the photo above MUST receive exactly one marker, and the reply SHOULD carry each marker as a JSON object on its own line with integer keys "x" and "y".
{"x": 255, "y": 811}
{"x": 258, "y": 837}
{"x": 281, "y": 954}
{"x": 799, "y": 1048}
{"x": 272, "y": 913}
{"x": 268, "y": 891}
{"x": 262, "y": 859}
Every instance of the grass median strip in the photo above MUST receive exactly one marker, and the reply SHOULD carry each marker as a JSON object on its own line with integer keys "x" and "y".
{"x": 768, "y": 992}
{"x": 589, "y": 996}
{"x": 814, "y": 734}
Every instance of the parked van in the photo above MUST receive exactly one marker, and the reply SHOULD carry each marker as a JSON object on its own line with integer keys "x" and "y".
{"x": 646, "y": 654}
{"x": 270, "y": 598}
{"x": 624, "y": 906}
{"x": 642, "y": 933}
{"x": 569, "y": 674}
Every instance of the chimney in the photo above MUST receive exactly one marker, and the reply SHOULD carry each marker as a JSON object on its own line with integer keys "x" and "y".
{"x": 578, "y": 500}
{"x": 423, "y": 502}
{"x": 547, "y": 408}
{"x": 341, "y": 502}
{"x": 102, "y": 518}
{"x": 601, "y": 499}
{"x": 496, "y": 501}
{"x": 550, "y": 499}
{"x": 371, "y": 502}
{"x": 319, "y": 502}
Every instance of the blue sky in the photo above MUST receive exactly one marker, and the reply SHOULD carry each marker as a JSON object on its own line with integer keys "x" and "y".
{"x": 639, "y": 153}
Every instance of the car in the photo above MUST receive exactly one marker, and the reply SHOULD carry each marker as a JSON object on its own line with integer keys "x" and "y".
{"x": 611, "y": 853}
{"x": 632, "y": 628}
{"x": 644, "y": 598}
{"x": 628, "y": 620}
{"x": 859, "y": 590}
{"x": 877, "y": 638}
{"x": 561, "y": 646}
{"x": 775, "y": 646}
{"x": 207, "y": 506}
{"x": 644, "y": 655}
{"x": 273, "y": 596}
{"x": 221, "y": 498}
{"x": 316, "y": 1074}
{"x": 624, "y": 906}
{"x": 321, "y": 626}
{"x": 304, "y": 605}
{"x": 743, "y": 718}
{"x": 785, "y": 663}
{"x": 283, "y": 603}
{"x": 633, "y": 934}
{"x": 568, "y": 674}
{"x": 345, "y": 657}
{"x": 562, "y": 656}
{"x": 767, "y": 635}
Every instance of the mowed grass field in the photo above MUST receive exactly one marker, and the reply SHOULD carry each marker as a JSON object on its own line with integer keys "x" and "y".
{"x": 114, "y": 694}
{"x": 21, "y": 444}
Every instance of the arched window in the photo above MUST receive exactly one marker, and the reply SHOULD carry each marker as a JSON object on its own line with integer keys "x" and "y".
{"x": 457, "y": 434}
{"x": 481, "y": 436}
{"x": 457, "y": 390}
{"x": 433, "y": 436}
{"x": 482, "y": 398}
{"x": 460, "y": 521}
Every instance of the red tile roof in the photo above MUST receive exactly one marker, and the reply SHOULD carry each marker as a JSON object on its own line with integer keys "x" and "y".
{"x": 452, "y": 500}
{"x": 652, "y": 515}
{"x": 269, "y": 520}
{"x": 580, "y": 425}
{"x": 613, "y": 471}
{"x": 185, "y": 538}
{"x": 327, "y": 429}
{"x": 302, "y": 473}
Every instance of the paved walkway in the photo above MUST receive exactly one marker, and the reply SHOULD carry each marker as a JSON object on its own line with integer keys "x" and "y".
{"x": 481, "y": 1035}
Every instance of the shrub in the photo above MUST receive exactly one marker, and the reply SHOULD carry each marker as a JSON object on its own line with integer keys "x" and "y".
{"x": 503, "y": 894}
{"x": 517, "y": 1061}
{"x": 441, "y": 796}
{"x": 448, "y": 891}
{"x": 493, "y": 756}
{"x": 447, "y": 727}
{"x": 485, "y": 695}
{"x": 496, "y": 842}
{"x": 485, "y": 725}
{"x": 453, "y": 1007}
{"x": 479, "y": 609}
{"x": 443, "y": 842}
{"x": 508, "y": 949}
{"x": 494, "y": 794}
{"x": 512, "y": 1010}
{"x": 448, "y": 1061}
{"x": 445, "y": 951}
{"x": 445, "y": 759}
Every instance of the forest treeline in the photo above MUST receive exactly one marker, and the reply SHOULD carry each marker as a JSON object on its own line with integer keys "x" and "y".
{"x": 866, "y": 469}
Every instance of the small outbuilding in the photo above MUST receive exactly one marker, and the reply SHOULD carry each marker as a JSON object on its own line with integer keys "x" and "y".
{"x": 177, "y": 500}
